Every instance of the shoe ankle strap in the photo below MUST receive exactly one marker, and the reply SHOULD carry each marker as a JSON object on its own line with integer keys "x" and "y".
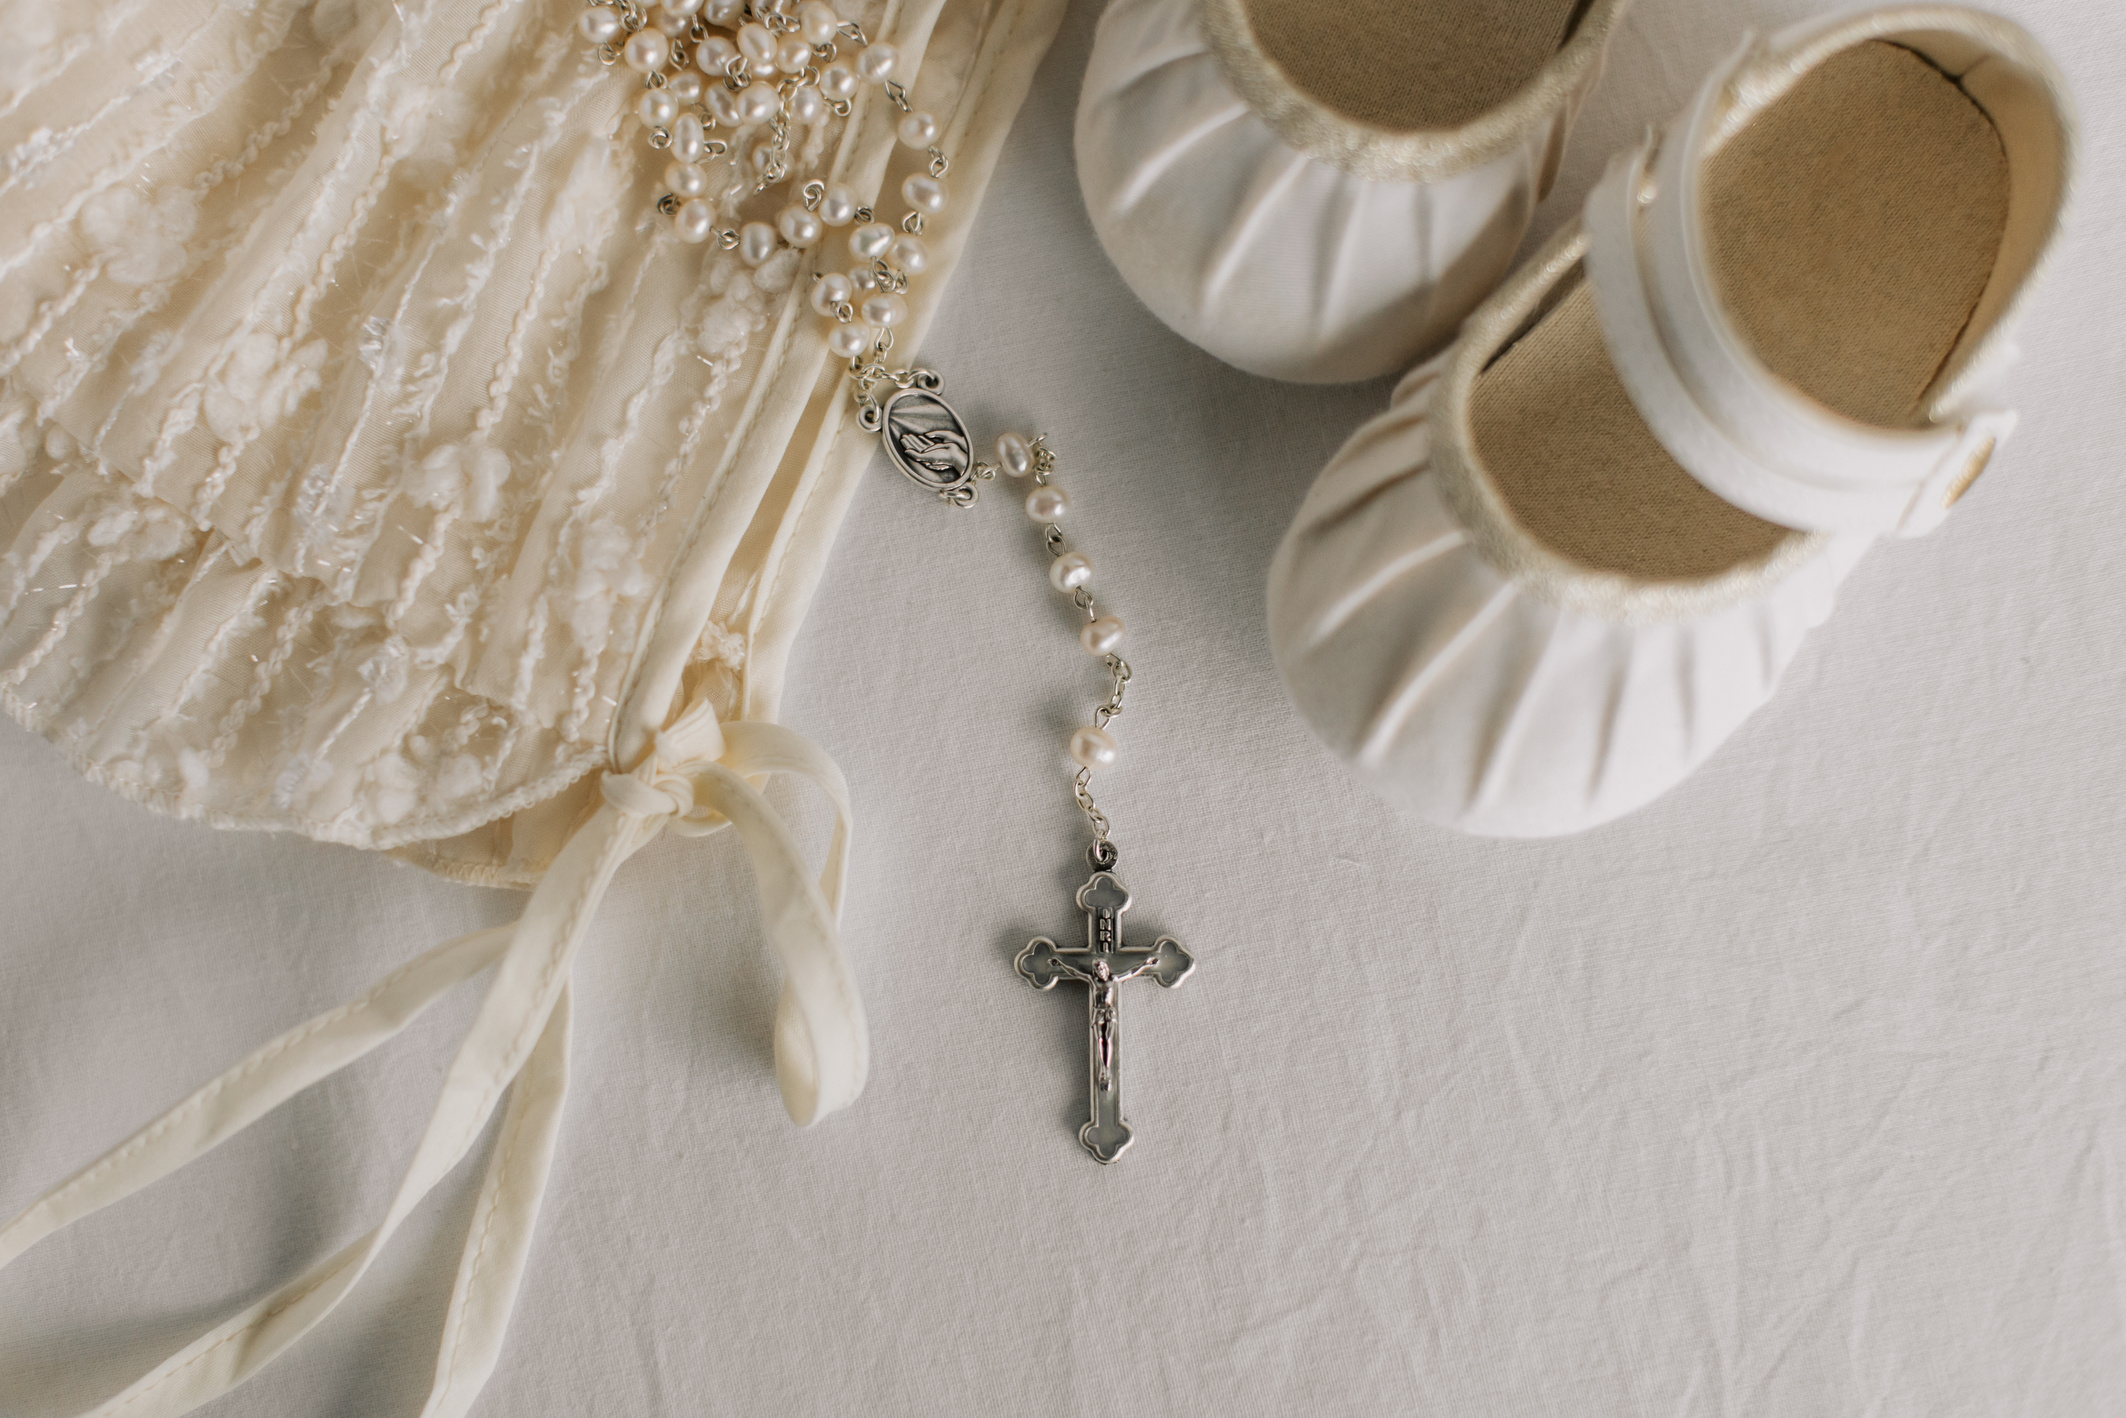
{"x": 1744, "y": 434}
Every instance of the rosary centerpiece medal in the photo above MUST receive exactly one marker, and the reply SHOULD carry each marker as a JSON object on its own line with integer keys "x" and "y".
{"x": 924, "y": 437}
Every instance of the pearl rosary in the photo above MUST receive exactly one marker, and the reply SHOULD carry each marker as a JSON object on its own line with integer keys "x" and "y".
{"x": 756, "y": 69}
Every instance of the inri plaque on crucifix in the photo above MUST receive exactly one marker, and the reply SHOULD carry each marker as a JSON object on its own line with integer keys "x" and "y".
{"x": 1101, "y": 967}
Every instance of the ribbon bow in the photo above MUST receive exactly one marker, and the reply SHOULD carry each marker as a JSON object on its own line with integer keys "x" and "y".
{"x": 660, "y": 788}
{"x": 694, "y": 780}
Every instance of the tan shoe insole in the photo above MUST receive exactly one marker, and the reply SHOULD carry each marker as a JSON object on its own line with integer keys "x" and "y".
{"x": 1411, "y": 64}
{"x": 1852, "y": 228}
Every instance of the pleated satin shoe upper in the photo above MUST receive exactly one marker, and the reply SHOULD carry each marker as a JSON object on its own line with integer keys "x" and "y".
{"x": 1305, "y": 229}
{"x": 1469, "y": 694}
{"x": 1581, "y": 547}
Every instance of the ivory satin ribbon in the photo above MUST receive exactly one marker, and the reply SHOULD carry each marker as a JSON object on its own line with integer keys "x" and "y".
{"x": 693, "y": 781}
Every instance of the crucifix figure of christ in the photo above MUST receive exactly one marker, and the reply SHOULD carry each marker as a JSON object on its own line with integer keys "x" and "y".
{"x": 1101, "y": 967}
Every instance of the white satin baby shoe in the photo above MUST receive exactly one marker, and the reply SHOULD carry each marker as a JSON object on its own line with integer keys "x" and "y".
{"x": 1320, "y": 190}
{"x": 1582, "y": 545}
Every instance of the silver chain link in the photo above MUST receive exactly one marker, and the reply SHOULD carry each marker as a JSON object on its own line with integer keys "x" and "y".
{"x": 1044, "y": 463}
{"x": 1081, "y": 785}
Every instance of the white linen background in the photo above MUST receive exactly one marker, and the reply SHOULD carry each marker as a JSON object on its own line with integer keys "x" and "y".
{"x": 1801, "y": 1092}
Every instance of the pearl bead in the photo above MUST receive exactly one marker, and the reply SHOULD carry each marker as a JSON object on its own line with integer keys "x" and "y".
{"x": 764, "y": 155}
{"x": 669, "y": 22}
{"x": 757, "y": 103}
{"x": 723, "y": 105}
{"x": 601, "y": 24}
{"x": 686, "y": 180}
{"x": 818, "y": 21}
{"x": 726, "y": 13}
{"x": 849, "y": 341}
{"x": 714, "y": 55}
{"x": 688, "y": 8}
{"x": 925, "y": 194}
{"x": 1093, "y": 748}
{"x": 864, "y": 279}
{"x": 807, "y": 106}
{"x": 830, "y": 290}
{"x": 908, "y": 253}
{"x": 918, "y": 130}
{"x": 837, "y": 82}
{"x": 646, "y": 51}
{"x": 875, "y": 64}
{"x": 1047, "y": 504}
{"x": 1070, "y": 571}
{"x": 757, "y": 43}
{"x": 1103, "y": 635}
{"x": 689, "y": 141}
{"x": 1016, "y": 454}
{"x": 756, "y": 243}
{"x": 792, "y": 54}
{"x": 799, "y": 227}
{"x": 657, "y": 108}
{"x": 868, "y": 243}
{"x": 838, "y": 207}
{"x": 696, "y": 221}
{"x": 685, "y": 86}
{"x": 884, "y": 310}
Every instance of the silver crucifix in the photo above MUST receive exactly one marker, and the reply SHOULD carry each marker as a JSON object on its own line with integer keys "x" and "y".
{"x": 1101, "y": 967}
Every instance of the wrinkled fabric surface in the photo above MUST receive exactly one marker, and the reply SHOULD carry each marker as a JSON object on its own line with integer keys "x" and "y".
{"x": 1801, "y": 1092}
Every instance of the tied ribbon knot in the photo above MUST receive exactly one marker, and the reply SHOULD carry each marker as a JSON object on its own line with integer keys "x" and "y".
{"x": 655, "y": 791}
{"x": 661, "y": 787}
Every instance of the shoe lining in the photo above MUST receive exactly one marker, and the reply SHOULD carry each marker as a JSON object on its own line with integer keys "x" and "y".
{"x": 1851, "y": 229}
{"x": 1411, "y": 65}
